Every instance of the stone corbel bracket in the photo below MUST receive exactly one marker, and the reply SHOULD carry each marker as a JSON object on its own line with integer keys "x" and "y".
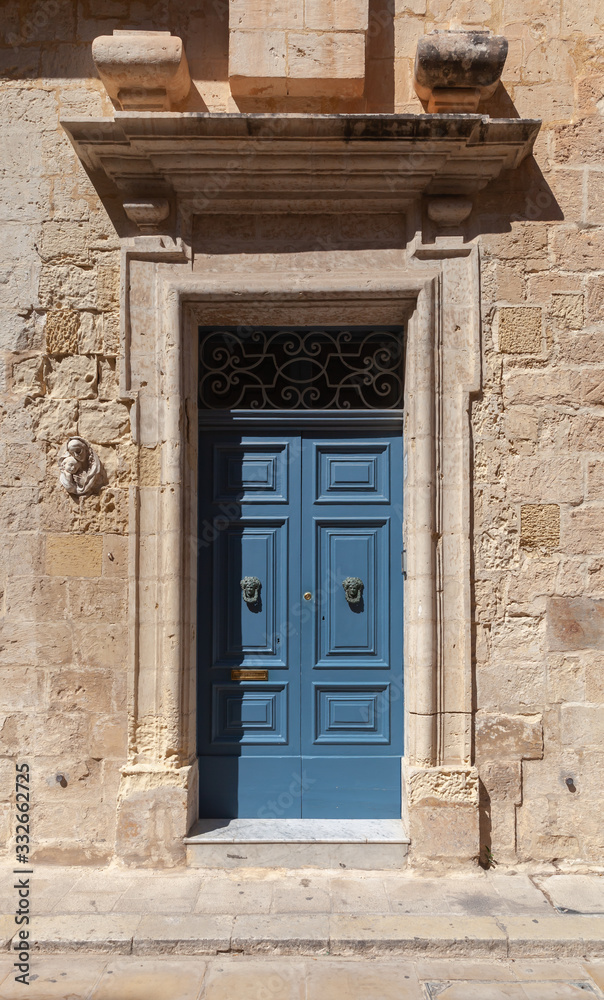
{"x": 142, "y": 70}
{"x": 147, "y": 213}
{"x": 455, "y": 70}
{"x": 447, "y": 213}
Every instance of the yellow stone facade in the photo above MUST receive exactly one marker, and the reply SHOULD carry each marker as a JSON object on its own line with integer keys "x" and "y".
{"x": 535, "y": 477}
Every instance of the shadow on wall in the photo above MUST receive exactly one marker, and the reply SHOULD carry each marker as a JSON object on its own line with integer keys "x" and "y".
{"x": 485, "y": 858}
{"x": 500, "y": 105}
{"x": 52, "y": 39}
{"x": 520, "y": 195}
{"x": 379, "y": 94}
{"x": 379, "y": 61}
{"x": 260, "y": 232}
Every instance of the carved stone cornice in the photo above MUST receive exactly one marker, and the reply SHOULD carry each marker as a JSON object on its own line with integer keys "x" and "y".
{"x": 254, "y": 162}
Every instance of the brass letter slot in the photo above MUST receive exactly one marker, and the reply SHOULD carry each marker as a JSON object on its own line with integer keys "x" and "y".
{"x": 249, "y": 675}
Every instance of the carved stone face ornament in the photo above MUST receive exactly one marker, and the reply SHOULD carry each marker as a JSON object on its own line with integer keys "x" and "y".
{"x": 250, "y": 588}
{"x": 353, "y": 588}
{"x": 81, "y": 469}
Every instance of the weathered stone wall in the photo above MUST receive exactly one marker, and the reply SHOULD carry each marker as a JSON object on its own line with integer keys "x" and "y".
{"x": 538, "y": 485}
{"x": 539, "y": 434}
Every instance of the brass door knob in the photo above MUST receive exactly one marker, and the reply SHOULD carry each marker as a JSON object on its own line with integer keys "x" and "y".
{"x": 307, "y": 595}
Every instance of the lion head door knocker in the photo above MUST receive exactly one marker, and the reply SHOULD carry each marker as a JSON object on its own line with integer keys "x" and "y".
{"x": 81, "y": 469}
{"x": 250, "y": 588}
{"x": 353, "y": 588}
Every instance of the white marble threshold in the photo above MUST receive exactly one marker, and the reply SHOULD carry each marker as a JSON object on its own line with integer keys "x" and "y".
{"x": 298, "y": 831}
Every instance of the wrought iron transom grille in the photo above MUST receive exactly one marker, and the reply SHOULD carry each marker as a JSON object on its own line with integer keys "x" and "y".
{"x": 301, "y": 368}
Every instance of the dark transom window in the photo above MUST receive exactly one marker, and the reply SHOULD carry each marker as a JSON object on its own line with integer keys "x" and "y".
{"x": 301, "y": 368}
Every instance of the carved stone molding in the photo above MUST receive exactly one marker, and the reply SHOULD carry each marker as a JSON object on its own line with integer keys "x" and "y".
{"x": 455, "y": 70}
{"x": 142, "y": 70}
{"x": 81, "y": 469}
{"x": 314, "y": 163}
{"x": 438, "y": 301}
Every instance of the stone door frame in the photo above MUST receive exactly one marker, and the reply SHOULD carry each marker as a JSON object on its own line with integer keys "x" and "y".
{"x": 437, "y": 295}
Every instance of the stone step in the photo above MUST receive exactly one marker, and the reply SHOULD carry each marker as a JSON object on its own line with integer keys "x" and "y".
{"x": 365, "y": 844}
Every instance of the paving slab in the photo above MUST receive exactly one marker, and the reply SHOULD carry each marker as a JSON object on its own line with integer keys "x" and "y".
{"x": 98, "y": 932}
{"x": 341, "y": 980}
{"x": 104, "y": 879}
{"x": 517, "y": 894}
{"x": 156, "y": 904}
{"x": 57, "y": 880}
{"x": 298, "y": 898}
{"x": 540, "y": 936}
{"x": 478, "y": 991}
{"x": 55, "y": 977}
{"x": 262, "y": 979}
{"x": 7, "y": 929}
{"x": 543, "y": 969}
{"x": 595, "y": 970}
{"x": 442, "y": 969}
{"x": 559, "y": 991}
{"x": 511, "y": 991}
{"x": 6, "y": 964}
{"x": 185, "y": 934}
{"x": 226, "y": 896}
{"x": 575, "y": 893}
{"x": 87, "y": 902}
{"x": 174, "y": 888}
{"x": 150, "y": 979}
{"x": 6, "y": 969}
{"x": 470, "y": 896}
{"x": 291, "y": 934}
{"x": 379, "y": 934}
{"x": 366, "y": 896}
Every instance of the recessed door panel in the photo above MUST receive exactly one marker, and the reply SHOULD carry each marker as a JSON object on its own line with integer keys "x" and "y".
{"x": 357, "y": 473}
{"x": 251, "y": 472}
{"x": 352, "y": 633}
{"x": 251, "y": 633}
{"x": 352, "y": 713}
{"x": 249, "y": 713}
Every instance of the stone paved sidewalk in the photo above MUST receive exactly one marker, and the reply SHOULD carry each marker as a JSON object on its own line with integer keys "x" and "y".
{"x": 309, "y": 912}
{"x": 85, "y": 977}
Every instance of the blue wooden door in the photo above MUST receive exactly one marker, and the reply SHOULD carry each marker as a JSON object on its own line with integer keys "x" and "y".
{"x": 311, "y": 520}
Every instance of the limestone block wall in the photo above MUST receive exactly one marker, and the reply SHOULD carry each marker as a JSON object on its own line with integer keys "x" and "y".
{"x": 538, "y": 424}
{"x": 297, "y": 48}
{"x": 539, "y": 538}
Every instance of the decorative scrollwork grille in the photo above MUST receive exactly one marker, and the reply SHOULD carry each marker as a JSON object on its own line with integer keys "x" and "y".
{"x": 301, "y": 368}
